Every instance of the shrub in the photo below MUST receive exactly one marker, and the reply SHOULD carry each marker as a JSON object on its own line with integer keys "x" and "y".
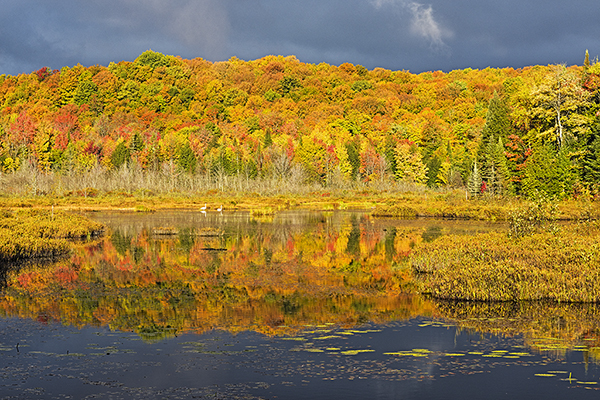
{"x": 540, "y": 214}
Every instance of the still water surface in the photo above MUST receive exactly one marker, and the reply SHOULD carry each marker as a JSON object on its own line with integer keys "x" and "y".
{"x": 299, "y": 305}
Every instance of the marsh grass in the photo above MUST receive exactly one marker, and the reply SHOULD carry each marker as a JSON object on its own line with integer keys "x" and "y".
{"x": 32, "y": 233}
{"x": 539, "y": 215}
{"x": 447, "y": 208}
{"x": 562, "y": 267}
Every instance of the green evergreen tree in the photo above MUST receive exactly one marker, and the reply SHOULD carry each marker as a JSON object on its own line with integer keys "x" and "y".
{"x": 497, "y": 126}
{"x": 586, "y": 61}
{"x": 353, "y": 159}
{"x": 591, "y": 164}
{"x": 497, "y": 175}
{"x": 548, "y": 171}
{"x": 187, "y": 159}
{"x": 433, "y": 169}
{"x": 121, "y": 155}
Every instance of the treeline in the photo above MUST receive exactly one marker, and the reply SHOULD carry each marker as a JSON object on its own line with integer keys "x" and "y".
{"x": 492, "y": 131}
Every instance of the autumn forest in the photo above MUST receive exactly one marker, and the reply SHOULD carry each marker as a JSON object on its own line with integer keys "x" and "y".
{"x": 495, "y": 132}
{"x": 202, "y": 225}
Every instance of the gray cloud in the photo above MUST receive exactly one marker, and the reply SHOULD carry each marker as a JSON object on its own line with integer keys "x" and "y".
{"x": 423, "y": 22}
{"x": 425, "y": 25}
{"x": 394, "y": 34}
{"x": 201, "y": 25}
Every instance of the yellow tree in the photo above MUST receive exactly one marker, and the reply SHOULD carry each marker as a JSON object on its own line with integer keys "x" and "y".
{"x": 409, "y": 165}
{"x": 559, "y": 104}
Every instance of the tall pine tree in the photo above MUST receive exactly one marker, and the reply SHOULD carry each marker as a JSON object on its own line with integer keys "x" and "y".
{"x": 497, "y": 126}
{"x": 548, "y": 171}
{"x": 590, "y": 171}
{"x": 497, "y": 174}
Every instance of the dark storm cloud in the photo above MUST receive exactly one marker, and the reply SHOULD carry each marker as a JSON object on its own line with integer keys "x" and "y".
{"x": 394, "y": 34}
{"x": 37, "y": 33}
{"x": 372, "y": 33}
{"x": 519, "y": 33}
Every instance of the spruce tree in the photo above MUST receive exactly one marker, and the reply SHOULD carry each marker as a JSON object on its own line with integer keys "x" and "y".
{"x": 548, "y": 171}
{"x": 353, "y": 159}
{"x": 497, "y": 126}
{"x": 591, "y": 163}
{"x": 564, "y": 173}
{"x": 496, "y": 170}
{"x": 121, "y": 155}
{"x": 586, "y": 61}
{"x": 433, "y": 169}
{"x": 501, "y": 162}
{"x": 187, "y": 159}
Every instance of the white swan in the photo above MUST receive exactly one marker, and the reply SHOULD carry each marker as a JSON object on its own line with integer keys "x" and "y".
{"x": 203, "y": 208}
{"x": 220, "y": 208}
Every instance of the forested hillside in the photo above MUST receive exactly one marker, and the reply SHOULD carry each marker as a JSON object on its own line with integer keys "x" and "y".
{"x": 496, "y": 131}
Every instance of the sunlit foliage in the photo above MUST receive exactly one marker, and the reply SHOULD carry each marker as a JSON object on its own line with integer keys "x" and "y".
{"x": 337, "y": 124}
{"x": 199, "y": 278}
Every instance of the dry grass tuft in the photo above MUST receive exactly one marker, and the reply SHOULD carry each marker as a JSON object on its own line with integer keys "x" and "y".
{"x": 28, "y": 233}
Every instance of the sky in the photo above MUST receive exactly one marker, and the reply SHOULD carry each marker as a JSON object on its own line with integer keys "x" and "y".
{"x": 392, "y": 34}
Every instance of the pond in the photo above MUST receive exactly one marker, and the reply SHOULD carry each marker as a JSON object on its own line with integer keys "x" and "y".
{"x": 297, "y": 305}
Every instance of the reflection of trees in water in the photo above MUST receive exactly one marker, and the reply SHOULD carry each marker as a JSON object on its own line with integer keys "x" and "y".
{"x": 432, "y": 233}
{"x": 275, "y": 273}
{"x": 233, "y": 271}
{"x": 186, "y": 240}
{"x": 390, "y": 238}
{"x": 279, "y": 227}
{"x": 121, "y": 241}
{"x": 286, "y": 244}
{"x": 353, "y": 246}
{"x": 9, "y": 269}
{"x": 564, "y": 325}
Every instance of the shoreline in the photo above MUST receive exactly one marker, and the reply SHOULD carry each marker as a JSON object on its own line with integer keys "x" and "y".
{"x": 449, "y": 205}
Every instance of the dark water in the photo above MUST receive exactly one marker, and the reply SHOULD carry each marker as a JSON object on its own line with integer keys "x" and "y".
{"x": 53, "y": 361}
{"x": 295, "y": 306}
